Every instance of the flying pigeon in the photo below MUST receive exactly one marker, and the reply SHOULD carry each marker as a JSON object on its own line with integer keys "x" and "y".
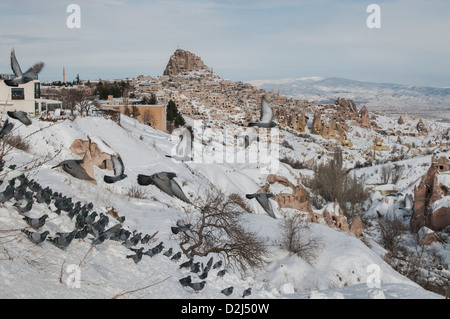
{"x": 195, "y": 267}
{"x": 247, "y": 292}
{"x": 119, "y": 170}
{"x": 165, "y": 182}
{"x": 22, "y": 78}
{"x": 36, "y": 237}
{"x": 6, "y": 128}
{"x": 266, "y": 115}
{"x": 186, "y": 281}
{"x": 263, "y": 200}
{"x": 182, "y": 227}
{"x": 227, "y": 291}
{"x": 7, "y": 194}
{"x": 21, "y": 116}
{"x": 74, "y": 168}
{"x": 197, "y": 286}
{"x": 36, "y": 223}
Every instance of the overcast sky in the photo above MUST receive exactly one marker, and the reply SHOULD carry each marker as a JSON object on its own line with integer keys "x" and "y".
{"x": 241, "y": 40}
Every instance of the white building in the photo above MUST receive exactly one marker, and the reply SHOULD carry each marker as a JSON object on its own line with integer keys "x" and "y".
{"x": 25, "y": 97}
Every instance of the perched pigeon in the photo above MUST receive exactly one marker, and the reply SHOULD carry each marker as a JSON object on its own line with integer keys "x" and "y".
{"x": 165, "y": 182}
{"x": 62, "y": 242}
{"x": 35, "y": 237}
{"x": 227, "y": 291}
{"x": 195, "y": 267}
{"x": 182, "y": 227}
{"x": 217, "y": 264}
{"x": 155, "y": 250}
{"x": 82, "y": 233}
{"x": 187, "y": 264}
{"x": 119, "y": 170}
{"x": 247, "y": 292}
{"x": 6, "y": 128}
{"x": 197, "y": 286}
{"x": 186, "y": 281}
{"x": 263, "y": 200}
{"x": 138, "y": 256}
{"x": 21, "y": 78}
{"x": 74, "y": 168}
{"x": 266, "y": 117}
{"x": 168, "y": 253}
{"x": 24, "y": 209}
{"x": 22, "y": 116}
{"x": 221, "y": 273}
{"x": 36, "y": 223}
{"x": 176, "y": 257}
{"x": 7, "y": 194}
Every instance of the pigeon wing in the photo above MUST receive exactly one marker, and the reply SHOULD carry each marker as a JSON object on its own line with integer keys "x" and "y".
{"x": 15, "y": 65}
{"x": 178, "y": 192}
{"x": 34, "y": 70}
{"x": 264, "y": 202}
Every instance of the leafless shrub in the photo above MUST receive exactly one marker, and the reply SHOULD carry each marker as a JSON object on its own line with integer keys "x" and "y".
{"x": 239, "y": 200}
{"x": 391, "y": 231}
{"x": 294, "y": 163}
{"x": 296, "y": 237}
{"x": 15, "y": 141}
{"x": 136, "y": 192}
{"x": 218, "y": 229}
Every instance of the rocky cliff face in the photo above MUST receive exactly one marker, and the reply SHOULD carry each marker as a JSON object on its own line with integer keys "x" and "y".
{"x": 183, "y": 62}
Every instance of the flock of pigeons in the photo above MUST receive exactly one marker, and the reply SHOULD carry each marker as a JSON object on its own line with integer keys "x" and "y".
{"x": 27, "y": 193}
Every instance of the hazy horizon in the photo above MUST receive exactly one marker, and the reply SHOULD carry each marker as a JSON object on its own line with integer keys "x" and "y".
{"x": 240, "y": 40}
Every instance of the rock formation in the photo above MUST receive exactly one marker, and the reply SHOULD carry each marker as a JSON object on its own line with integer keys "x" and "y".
{"x": 421, "y": 128}
{"x": 182, "y": 62}
{"x": 430, "y": 208}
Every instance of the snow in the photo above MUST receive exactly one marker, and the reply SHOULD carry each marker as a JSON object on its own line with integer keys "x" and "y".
{"x": 340, "y": 270}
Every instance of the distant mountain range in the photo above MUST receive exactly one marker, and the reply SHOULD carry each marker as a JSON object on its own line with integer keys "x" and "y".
{"x": 377, "y": 96}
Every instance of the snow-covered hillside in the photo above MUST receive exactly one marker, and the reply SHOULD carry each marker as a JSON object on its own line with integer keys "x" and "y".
{"x": 344, "y": 266}
{"x": 388, "y": 97}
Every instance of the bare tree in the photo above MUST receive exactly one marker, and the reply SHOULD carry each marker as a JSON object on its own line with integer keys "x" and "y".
{"x": 218, "y": 229}
{"x": 296, "y": 237}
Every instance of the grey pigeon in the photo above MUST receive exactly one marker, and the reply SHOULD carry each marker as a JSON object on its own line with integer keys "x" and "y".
{"x": 195, "y": 267}
{"x": 82, "y": 233}
{"x": 168, "y": 253}
{"x": 74, "y": 168}
{"x": 7, "y": 194}
{"x": 138, "y": 256}
{"x": 247, "y": 292}
{"x": 24, "y": 209}
{"x": 217, "y": 264}
{"x": 176, "y": 257}
{"x": 221, "y": 273}
{"x": 182, "y": 227}
{"x": 267, "y": 115}
{"x": 36, "y": 237}
{"x": 197, "y": 286}
{"x": 62, "y": 242}
{"x": 263, "y": 200}
{"x": 227, "y": 291}
{"x": 165, "y": 182}
{"x": 187, "y": 264}
{"x": 22, "y": 116}
{"x": 6, "y": 128}
{"x": 20, "y": 77}
{"x": 186, "y": 281}
{"x": 119, "y": 170}
{"x": 36, "y": 223}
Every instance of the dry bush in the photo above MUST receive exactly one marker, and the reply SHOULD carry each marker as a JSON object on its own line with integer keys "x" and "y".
{"x": 137, "y": 192}
{"x": 15, "y": 141}
{"x": 294, "y": 163}
{"x": 296, "y": 237}
{"x": 391, "y": 231}
{"x": 332, "y": 182}
{"x": 218, "y": 228}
